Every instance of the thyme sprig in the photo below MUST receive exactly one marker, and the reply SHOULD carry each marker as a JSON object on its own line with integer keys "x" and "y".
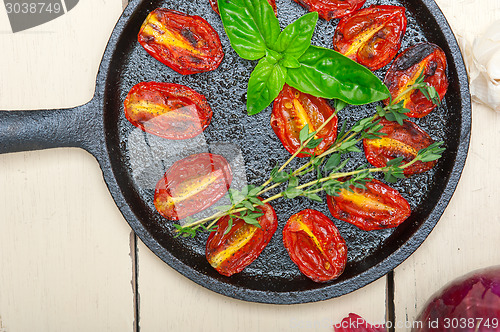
{"x": 329, "y": 175}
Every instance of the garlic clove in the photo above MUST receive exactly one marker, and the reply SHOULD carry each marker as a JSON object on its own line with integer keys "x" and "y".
{"x": 484, "y": 67}
{"x": 493, "y": 66}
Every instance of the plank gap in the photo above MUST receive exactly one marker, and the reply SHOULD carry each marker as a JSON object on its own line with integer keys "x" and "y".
{"x": 134, "y": 253}
{"x": 390, "y": 307}
{"x": 135, "y": 283}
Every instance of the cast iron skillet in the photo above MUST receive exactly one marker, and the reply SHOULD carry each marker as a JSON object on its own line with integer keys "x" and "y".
{"x": 132, "y": 161}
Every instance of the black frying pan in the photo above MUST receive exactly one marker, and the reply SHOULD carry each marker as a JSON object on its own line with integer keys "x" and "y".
{"x": 132, "y": 161}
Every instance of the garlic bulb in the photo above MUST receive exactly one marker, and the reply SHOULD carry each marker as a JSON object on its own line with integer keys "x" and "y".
{"x": 483, "y": 60}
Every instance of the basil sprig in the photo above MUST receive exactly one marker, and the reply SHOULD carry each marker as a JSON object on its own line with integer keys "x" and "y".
{"x": 288, "y": 57}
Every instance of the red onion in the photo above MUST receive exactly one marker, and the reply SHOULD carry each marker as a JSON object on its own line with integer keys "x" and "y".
{"x": 469, "y": 303}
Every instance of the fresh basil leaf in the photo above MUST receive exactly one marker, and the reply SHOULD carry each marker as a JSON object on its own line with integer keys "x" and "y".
{"x": 295, "y": 39}
{"x": 250, "y": 25}
{"x": 329, "y": 74}
{"x": 273, "y": 56}
{"x": 289, "y": 61}
{"x": 264, "y": 85}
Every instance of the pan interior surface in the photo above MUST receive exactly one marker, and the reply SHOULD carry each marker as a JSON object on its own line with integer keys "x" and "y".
{"x": 139, "y": 160}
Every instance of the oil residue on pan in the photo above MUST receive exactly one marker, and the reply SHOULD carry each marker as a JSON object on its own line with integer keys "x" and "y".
{"x": 252, "y": 149}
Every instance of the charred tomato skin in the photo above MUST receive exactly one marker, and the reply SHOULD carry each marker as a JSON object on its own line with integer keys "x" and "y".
{"x": 191, "y": 185}
{"x": 424, "y": 57}
{"x": 328, "y": 9}
{"x": 187, "y": 44}
{"x": 292, "y": 110}
{"x": 401, "y": 141}
{"x": 371, "y": 36}
{"x": 168, "y": 110}
{"x": 215, "y": 7}
{"x": 230, "y": 253}
{"x": 377, "y": 207}
{"x": 315, "y": 245}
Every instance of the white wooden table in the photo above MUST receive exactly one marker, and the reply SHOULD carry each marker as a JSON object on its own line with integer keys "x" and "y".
{"x": 69, "y": 261}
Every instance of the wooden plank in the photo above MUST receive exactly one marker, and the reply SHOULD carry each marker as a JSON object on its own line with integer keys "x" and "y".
{"x": 467, "y": 236}
{"x": 64, "y": 247}
{"x": 55, "y": 63}
{"x": 187, "y": 306}
{"x": 171, "y": 302}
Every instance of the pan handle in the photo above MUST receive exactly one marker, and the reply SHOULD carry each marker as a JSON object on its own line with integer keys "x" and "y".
{"x": 44, "y": 129}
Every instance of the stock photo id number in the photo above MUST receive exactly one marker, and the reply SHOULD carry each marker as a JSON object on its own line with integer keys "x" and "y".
{"x": 26, "y": 14}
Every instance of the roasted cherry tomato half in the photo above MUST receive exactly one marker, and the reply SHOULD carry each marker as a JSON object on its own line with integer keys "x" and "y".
{"x": 315, "y": 245}
{"x": 191, "y": 185}
{"x": 168, "y": 110}
{"x": 328, "y": 9}
{"x": 187, "y": 44}
{"x": 427, "y": 59}
{"x": 401, "y": 141}
{"x": 213, "y": 4}
{"x": 371, "y": 36}
{"x": 376, "y": 207}
{"x": 231, "y": 252}
{"x": 292, "y": 110}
